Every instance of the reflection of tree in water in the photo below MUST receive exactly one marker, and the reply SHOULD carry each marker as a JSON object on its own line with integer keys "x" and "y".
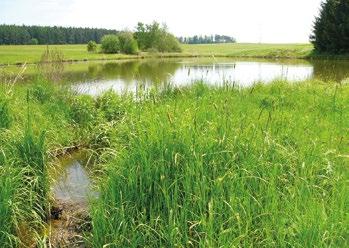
{"x": 159, "y": 71}
{"x": 331, "y": 70}
{"x": 142, "y": 71}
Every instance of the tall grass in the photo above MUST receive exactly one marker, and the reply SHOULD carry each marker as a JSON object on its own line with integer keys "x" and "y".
{"x": 226, "y": 167}
{"x": 5, "y": 116}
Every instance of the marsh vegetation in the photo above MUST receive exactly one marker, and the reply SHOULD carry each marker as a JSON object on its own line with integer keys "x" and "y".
{"x": 196, "y": 166}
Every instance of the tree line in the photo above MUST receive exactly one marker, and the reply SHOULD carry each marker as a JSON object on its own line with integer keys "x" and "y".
{"x": 23, "y": 35}
{"x": 207, "y": 39}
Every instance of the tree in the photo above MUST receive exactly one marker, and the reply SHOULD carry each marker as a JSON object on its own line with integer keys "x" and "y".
{"x": 331, "y": 28}
{"x": 92, "y": 46}
{"x": 128, "y": 44}
{"x": 156, "y": 37}
{"x": 110, "y": 44}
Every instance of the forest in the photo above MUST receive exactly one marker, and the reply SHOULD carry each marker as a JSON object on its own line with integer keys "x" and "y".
{"x": 43, "y": 35}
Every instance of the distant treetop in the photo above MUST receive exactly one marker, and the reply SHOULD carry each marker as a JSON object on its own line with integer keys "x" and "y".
{"x": 207, "y": 39}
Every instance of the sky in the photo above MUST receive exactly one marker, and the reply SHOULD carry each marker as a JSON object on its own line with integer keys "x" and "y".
{"x": 267, "y": 21}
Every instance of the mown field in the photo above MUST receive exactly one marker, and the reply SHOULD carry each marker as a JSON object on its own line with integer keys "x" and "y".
{"x": 32, "y": 54}
{"x": 265, "y": 166}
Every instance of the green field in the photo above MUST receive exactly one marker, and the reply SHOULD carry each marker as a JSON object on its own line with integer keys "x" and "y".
{"x": 198, "y": 166}
{"x": 32, "y": 54}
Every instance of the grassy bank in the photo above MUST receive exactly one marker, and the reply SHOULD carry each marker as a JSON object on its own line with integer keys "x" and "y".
{"x": 38, "y": 121}
{"x": 32, "y": 54}
{"x": 205, "y": 167}
{"x": 197, "y": 166}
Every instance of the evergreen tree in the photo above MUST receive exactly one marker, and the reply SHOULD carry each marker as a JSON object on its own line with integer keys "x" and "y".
{"x": 331, "y": 28}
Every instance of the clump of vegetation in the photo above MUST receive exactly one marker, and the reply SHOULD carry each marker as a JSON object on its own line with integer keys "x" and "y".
{"x": 32, "y": 156}
{"x": 51, "y": 65}
{"x": 154, "y": 36}
{"x": 82, "y": 110}
{"x": 112, "y": 105}
{"x": 5, "y": 116}
{"x": 331, "y": 29}
{"x": 110, "y": 44}
{"x": 92, "y": 46}
{"x": 42, "y": 92}
{"x": 225, "y": 167}
{"x": 128, "y": 43}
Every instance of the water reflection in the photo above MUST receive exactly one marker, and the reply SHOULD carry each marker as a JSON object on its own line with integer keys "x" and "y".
{"x": 94, "y": 78}
{"x": 72, "y": 180}
{"x": 131, "y": 75}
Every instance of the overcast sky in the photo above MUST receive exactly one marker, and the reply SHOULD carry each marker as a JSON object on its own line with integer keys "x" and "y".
{"x": 272, "y": 21}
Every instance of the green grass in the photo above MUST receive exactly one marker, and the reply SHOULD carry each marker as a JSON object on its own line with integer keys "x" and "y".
{"x": 223, "y": 167}
{"x": 32, "y": 54}
{"x": 251, "y": 50}
{"x": 265, "y": 166}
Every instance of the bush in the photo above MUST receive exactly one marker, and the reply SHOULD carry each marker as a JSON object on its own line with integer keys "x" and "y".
{"x": 168, "y": 43}
{"x": 128, "y": 44}
{"x": 91, "y": 46}
{"x": 33, "y": 42}
{"x": 331, "y": 29}
{"x": 110, "y": 44}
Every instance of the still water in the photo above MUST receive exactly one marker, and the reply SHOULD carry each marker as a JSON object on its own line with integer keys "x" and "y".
{"x": 96, "y": 77}
{"x": 72, "y": 180}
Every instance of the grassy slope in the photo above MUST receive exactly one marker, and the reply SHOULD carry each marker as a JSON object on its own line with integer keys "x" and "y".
{"x": 31, "y": 54}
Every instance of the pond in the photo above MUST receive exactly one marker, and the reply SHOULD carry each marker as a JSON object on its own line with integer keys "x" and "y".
{"x": 96, "y": 77}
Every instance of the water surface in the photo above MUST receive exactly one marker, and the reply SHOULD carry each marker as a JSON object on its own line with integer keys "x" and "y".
{"x": 96, "y": 77}
{"x": 72, "y": 180}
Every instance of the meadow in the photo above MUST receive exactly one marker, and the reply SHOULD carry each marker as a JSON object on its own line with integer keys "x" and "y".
{"x": 200, "y": 166}
{"x": 32, "y": 54}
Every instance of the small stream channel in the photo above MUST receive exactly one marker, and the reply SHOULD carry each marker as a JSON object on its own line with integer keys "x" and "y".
{"x": 72, "y": 189}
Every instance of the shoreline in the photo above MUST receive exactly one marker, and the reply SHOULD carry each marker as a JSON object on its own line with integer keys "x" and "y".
{"x": 184, "y": 56}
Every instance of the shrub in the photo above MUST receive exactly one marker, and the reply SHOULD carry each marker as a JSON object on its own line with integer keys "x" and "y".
{"x": 331, "y": 29}
{"x": 110, "y": 44}
{"x": 92, "y": 46}
{"x": 33, "y": 42}
{"x": 168, "y": 43}
{"x": 128, "y": 44}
